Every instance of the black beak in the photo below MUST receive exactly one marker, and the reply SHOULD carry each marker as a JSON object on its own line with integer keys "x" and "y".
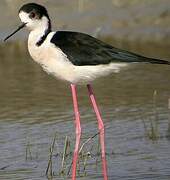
{"x": 19, "y": 28}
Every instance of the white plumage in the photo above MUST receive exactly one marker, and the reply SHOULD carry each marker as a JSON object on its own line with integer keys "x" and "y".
{"x": 55, "y": 62}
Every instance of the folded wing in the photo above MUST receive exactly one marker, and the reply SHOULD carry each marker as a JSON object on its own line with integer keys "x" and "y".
{"x": 82, "y": 49}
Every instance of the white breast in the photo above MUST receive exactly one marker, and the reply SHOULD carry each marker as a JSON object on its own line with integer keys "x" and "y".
{"x": 51, "y": 58}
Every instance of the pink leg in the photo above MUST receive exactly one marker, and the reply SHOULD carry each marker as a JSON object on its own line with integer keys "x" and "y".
{"x": 101, "y": 130}
{"x": 78, "y": 129}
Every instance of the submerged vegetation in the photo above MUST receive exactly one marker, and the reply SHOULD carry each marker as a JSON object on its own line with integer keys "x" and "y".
{"x": 152, "y": 129}
{"x": 88, "y": 151}
{"x": 66, "y": 158}
{"x": 151, "y": 126}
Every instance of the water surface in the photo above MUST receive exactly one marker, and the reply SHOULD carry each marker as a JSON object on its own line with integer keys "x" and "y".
{"x": 34, "y": 106}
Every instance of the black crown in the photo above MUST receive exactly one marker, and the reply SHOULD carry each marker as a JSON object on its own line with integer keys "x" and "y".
{"x": 36, "y": 8}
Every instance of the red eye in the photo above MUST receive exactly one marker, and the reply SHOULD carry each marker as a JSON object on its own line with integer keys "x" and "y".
{"x": 32, "y": 15}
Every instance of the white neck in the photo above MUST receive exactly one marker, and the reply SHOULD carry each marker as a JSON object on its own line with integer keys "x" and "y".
{"x": 40, "y": 30}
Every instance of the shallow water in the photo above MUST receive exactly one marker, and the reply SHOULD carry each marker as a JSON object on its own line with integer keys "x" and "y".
{"x": 35, "y": 106}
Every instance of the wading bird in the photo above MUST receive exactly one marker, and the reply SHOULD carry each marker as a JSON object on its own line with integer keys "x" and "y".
{"x": 77, "y": 58}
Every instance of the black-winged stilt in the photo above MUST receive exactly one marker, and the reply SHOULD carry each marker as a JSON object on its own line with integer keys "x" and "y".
{"x": 74, "y": 57}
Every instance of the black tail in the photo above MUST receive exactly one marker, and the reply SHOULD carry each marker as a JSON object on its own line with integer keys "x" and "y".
{"x": 129, "y": 57}
{"x": 155, "y": 61}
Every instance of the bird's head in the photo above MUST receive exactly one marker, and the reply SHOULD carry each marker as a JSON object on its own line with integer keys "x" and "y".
{"x": 33, "y": 16}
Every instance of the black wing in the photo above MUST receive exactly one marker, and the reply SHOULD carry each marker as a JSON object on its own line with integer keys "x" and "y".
{"x": 82, "y": 49}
